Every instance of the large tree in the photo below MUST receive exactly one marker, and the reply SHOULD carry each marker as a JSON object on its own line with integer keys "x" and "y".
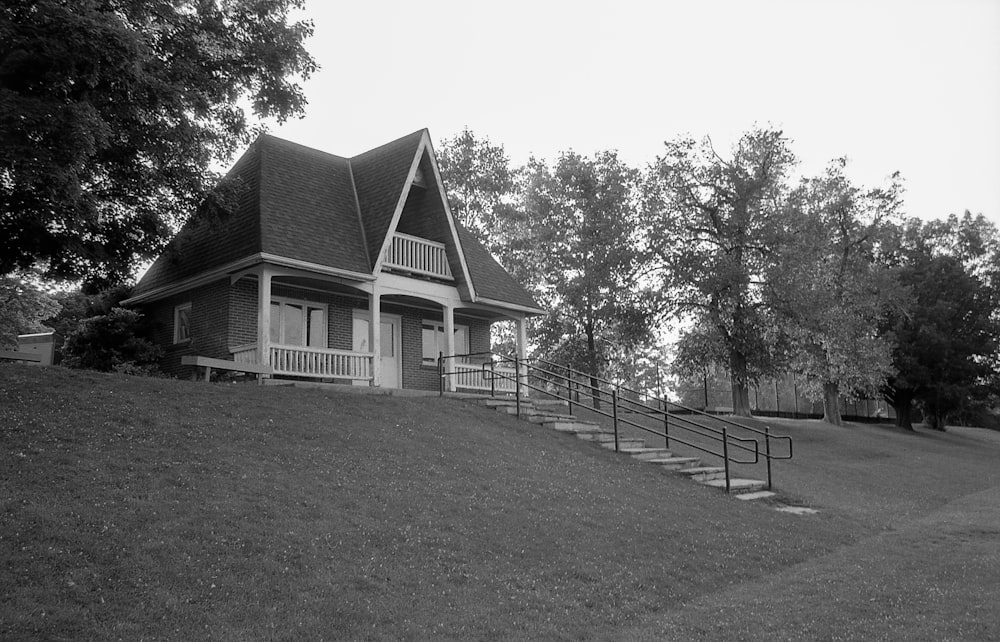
{"x": 585, "y": 254}
{"x": 715, "y": 222}
{"x": 111, "y": 114}
{"x": 482, "y": 190}
{"x": 947, "y": 337}
{"x": 830, "y": 289}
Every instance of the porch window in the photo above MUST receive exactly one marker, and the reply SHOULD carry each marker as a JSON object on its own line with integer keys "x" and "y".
{"x": 298, "y": 323}
{"x": 433, "y": 340}
{"x": 182, "y": 323}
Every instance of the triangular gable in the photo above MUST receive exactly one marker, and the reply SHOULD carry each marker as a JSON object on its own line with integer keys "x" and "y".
{"x": 381, "y": 225}
{"x": 380, "y": 177}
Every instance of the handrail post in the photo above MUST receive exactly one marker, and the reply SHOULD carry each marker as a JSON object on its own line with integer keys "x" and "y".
{"x": 440, "y": 374}
{"x": 725, "y": 455}
{"x": 569, "y": 391}
{"x": 493, "y": 380}
{"x": 767, "y": 453}
{"x": 614, "y": 414}
{"x": 517, "y": 384}
{"x": 666, "y": 427}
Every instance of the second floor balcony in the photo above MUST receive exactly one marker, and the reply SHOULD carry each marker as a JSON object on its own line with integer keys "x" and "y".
{"x": 417, "y": 256}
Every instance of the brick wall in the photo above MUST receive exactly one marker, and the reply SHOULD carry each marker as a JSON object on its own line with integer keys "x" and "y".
{"x": 209, "y": 330}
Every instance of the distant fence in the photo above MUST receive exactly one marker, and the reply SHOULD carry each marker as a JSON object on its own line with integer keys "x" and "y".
{"x": 780, "y": 398}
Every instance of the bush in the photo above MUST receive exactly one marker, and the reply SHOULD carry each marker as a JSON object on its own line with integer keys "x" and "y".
{"x": 112, "y": 342}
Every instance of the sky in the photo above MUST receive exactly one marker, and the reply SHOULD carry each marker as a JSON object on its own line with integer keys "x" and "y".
{"x": 894, "y": 85}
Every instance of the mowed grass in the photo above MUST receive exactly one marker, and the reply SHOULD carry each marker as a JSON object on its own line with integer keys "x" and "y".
{"x": 137, "y": 508}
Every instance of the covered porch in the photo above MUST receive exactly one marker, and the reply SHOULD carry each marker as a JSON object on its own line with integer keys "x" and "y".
{"x": 394, "y": 331}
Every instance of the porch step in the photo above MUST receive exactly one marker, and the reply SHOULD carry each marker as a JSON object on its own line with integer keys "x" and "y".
{"x": 676, "y": 463}
{"x": 704, "y": 473}
{"x": 737, "y": 485}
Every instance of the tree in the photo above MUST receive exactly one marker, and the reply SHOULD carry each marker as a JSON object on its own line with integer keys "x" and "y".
{"x": 830, "y": 289}
{"x": 482, "y": 189}
{"x": 948, "y": 336}
{"x": 583, "y": 224}
{"x": 23, "y": 307}
{"x": 483, "y": 193}
{"x": 111, "y": 114}
{"x": 715, "y": 225}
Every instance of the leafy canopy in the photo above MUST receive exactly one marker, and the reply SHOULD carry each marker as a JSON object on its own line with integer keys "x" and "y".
{"x": 716, "y": 222}
{"x": 584, "y": 224}
{"x": 830, "y": 289}
{"x": 112, "y": 112}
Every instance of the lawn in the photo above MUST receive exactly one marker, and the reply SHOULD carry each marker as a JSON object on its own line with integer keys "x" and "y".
{"x": 138, "y": 508}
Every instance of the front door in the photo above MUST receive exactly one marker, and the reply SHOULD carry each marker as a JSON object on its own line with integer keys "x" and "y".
{"x": 391, "y": 362}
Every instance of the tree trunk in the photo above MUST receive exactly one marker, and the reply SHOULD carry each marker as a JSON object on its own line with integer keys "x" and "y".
{"x": 739, "y": 383}
{"x": 902, "y": 403}
{"x": 831, "y": 404}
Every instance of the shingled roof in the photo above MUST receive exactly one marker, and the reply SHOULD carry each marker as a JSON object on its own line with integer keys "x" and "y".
{"x": 309, "y": 206}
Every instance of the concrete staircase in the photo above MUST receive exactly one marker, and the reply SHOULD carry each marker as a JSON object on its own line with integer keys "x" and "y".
{"x": 554, "y": 415}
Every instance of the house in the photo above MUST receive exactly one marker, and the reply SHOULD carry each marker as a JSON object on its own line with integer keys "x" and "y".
{"x": 336, "y": 269}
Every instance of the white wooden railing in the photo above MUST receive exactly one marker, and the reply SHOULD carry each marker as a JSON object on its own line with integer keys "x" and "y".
{"x": 417, "y": 255}
{"x": 469, "y": 376}
{"x": 312, "y": 362}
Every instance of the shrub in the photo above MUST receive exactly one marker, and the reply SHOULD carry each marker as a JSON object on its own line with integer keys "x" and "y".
{"x": 112, "y": 342}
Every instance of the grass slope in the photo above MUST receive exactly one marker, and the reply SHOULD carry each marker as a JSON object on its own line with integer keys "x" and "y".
{"x": 153, "y": 509}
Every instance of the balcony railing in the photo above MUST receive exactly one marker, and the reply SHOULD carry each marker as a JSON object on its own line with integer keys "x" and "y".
{"x": 418, "y": 256}
{"x": 321, "y": 363}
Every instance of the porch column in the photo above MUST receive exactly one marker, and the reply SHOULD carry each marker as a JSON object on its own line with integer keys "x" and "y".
{"x": 375, "y": 336}
{"x": 449, "y": 343}
{"x": 521, "y": 328}
{"x": 264, "y": 316}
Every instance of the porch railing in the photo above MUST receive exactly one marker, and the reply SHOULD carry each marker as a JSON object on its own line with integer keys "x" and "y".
{"x": 475, "y": 376}
{"x": 320, "y": 363}
{"x": 417, "y": 255}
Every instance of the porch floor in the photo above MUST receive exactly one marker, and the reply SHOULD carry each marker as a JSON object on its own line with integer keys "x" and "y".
{"x": 368, "y": 390}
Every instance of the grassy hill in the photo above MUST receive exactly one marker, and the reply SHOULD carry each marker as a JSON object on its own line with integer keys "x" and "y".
{"x": 138, "y": 508}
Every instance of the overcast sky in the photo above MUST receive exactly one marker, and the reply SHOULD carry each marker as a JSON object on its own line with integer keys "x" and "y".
{"x": 907, "y": 85}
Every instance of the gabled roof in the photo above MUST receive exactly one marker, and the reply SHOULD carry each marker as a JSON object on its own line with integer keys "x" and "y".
{"x": 336, "y": 213}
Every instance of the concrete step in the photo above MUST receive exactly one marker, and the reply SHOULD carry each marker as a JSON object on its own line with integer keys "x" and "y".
{"x": 550, "y": 404}
{"x": 512, "y": 409}
{"x": 624, "y": 443}
{"x": 737, "y": 485}
{"x": 704, "y": 473}
{"x": 676, "y": 463}
{"x": 499, "y": 403}
{"x": 539, "y": 417}
{"x": 646, "y": 453}
{"x": 758, "y": 494}
{"x": 598, "y": 435}
{"x": 575, "y": 426}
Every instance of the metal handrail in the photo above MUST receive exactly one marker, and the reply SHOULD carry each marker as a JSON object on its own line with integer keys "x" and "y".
{"x": 665, "y": 410}
{"x": 722, "y": 436}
